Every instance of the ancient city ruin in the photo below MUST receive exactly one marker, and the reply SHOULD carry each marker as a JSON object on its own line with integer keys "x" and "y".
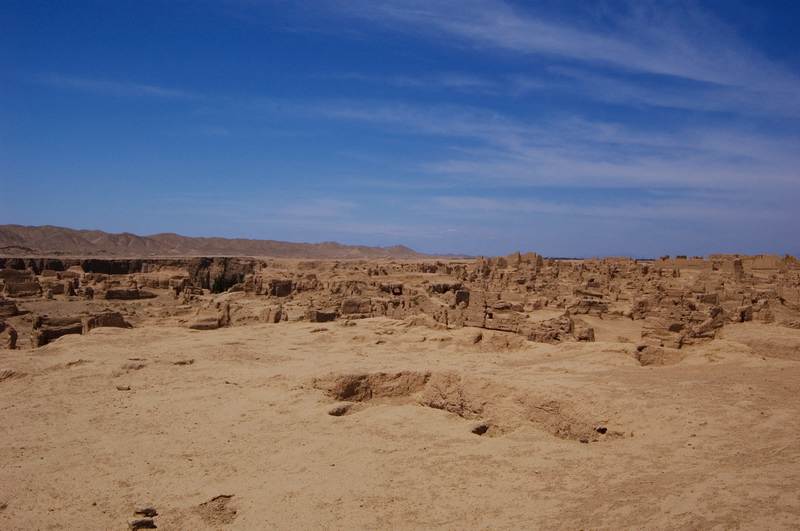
{"x": 673, "y": 301}
{"x": 620, "y": 356}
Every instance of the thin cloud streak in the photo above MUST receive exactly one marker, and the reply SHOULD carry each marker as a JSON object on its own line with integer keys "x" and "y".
{"x": 575, "y": 151}
{"x": 691, "y": 208}
{"x": 570, "y": 151}
{"x": 682, "y": 42}
{"x": 653, "y": 40}
{"x": 460, "y": 81}
{"x": 114, "y": 88}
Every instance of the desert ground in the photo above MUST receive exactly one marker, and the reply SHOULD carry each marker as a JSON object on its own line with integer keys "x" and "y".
{"x": 504, "y": 393}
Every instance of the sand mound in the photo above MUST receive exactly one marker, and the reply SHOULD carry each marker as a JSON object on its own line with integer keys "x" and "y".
{"x": 658, "y": 356}
{"x": 218, "y": 510}
{"x": 498, "y": 408}
{"x": 362, "y": 387}
{"x": 490, "y": 340}
{"x": 780, "y": 342}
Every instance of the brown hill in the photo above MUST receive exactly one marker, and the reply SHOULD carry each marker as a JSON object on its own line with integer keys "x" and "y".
{"x": 50, "y": 240}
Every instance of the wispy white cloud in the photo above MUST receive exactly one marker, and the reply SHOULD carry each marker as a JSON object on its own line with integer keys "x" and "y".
{"x": 459, "y": 81}
{"x": 114, "y": 88}
{"x": 702, "y": 209}
{"x": 680, "y": 41}
{"x": 630, "y": 91}
{"x": 488, "y": 147}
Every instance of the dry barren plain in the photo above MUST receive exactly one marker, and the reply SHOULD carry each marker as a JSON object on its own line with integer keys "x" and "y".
{"x": 505, "y": 393}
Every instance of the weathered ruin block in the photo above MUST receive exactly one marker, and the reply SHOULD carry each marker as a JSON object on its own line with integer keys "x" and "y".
{"x": 662, "y": 331}
{"x": 744, "y": 313}
{"x": 475, "y": 316}
{"x": 550, "y": 331}
{"x": 709, "y": 298}
{"x": 70, "y": 287}
{"x": 455, "y": 317}
{"x": 8, "y": 336}
{"x": 279, "y": 287}
{"x": 95, "y": 277}
{"x": 8, "y": 308}
{"x": 16, "y": 275}
{"x": 395, "y": 289}
{"x": 224, "y": 309}
{"x": 396, "y": 308}
{"x": 273, "y": 314}
{"x": 47, "y": 329}
{"x": 205, "y": 322}
{"x": 462, "y": 297}
{"x": 355, "y": 305}
{"x": 105, "y": 319}
{"x": 320, "y": 316}
{"x": 55, "y": 287}
{"x": 444, "y": 287}
{"x": 28, "y": 288}
{"x": 127, "y": 294}
{"x": 653, "y": 355}
{"x": 639, "y": 309}
{"x": 501, "y": 306}
{"x": 738, "y": 270}
{"x": 583, "y": 293}
{"x": 582, "y": 331}
{"x": 504, "y": 322}
{"x": 178, "y": 283}
{"x": 585, "y": 306}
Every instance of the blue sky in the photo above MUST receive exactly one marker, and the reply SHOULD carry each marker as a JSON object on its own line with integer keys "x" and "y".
{"x": 482, "y": 127}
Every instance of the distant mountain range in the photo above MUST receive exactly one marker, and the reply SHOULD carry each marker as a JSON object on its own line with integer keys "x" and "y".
{"x": 49, "y": 240}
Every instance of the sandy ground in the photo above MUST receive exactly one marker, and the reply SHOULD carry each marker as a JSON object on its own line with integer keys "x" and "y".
{"x": 708, "y": 443}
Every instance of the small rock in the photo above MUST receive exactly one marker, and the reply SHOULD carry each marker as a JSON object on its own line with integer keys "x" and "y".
{"x": 480, "y": 429}
{"x": 205, "y": 323}
{"x": 340, "y": 409}
{"x": 601, "y": 430}
{"x": 146, "y": 511}
{"x": 142, "y": 523}
{"x": 184, "y": 362}
{"x": 123, "y": 388}
{"x": 584, "y": 440}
